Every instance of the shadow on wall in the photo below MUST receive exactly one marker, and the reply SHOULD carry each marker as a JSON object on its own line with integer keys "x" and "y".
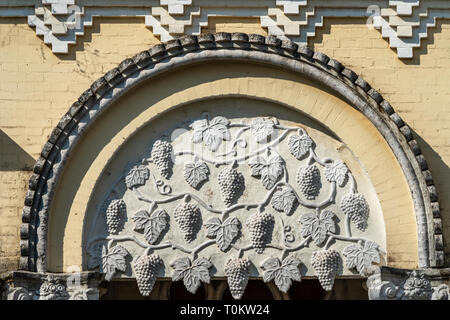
{"x": 441, "y": 175}
{"x": 89, "y": 31}
{"x": 424, "y": 44}
{"x": 12, "y": 156}
{"x": 418, "y": 52}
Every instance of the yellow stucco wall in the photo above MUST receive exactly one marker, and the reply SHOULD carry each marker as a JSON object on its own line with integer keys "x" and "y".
{"x": 37, "y": 87}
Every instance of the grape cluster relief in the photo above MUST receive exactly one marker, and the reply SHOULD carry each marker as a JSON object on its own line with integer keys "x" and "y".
{"x": 237, "y": 236}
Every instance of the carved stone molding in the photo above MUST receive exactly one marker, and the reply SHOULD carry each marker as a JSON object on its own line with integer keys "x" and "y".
{"x": 397, "y": 284}
{"x": 234, "y": 47}
{"x": 23, "y": 285}
{"x": 404, "y": 23}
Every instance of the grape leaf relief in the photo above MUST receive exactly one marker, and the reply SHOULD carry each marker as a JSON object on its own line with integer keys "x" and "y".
{"x": 211, "y": 133}
{"x": 337, "y": 172}
{"x": 192, "y": 274}
{"x": 225, "y": 233}
{"x": 299, "y": 145}
{"x": 113, "y": 261}
{"x": 268, "y": 167}
{"x": 283, "y": 273}
{"x": 283, "y": 200}
{"x": 137, "y": 176}
{"x": 361, "y": 257}
{"x": 317, "y": 226}
{"x": 262, "y": 129}
{"x": 195, "y": 173}
{"x": 152, "y": 224}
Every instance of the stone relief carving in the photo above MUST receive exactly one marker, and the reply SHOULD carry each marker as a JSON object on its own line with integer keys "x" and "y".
{"x": 441, "y": 292}
{"x": 115, "y": 214}
{"x": 282, "y": 273}
{"x": 146, "y": 271}
{"x": 53, "y": 289}
{"x": 225, "y": 232}
{"x": 195, "y": 173}
{"x": 237, "y": 273}
{"x": 188, "y": 218}
{"x": 256, "y": 233}
{"x": 192, "y": 273}
{"x": 408, "y": 285}
{"x": 30, "y": 286}
{"x": 231, "y": 184}
{"x": 326, "y": 264}
{"x": 162, "y": 157}
{"x": 361, "y": 256}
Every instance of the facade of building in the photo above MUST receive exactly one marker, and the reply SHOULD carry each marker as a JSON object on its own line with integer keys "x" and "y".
{"x": 275, "y": 149}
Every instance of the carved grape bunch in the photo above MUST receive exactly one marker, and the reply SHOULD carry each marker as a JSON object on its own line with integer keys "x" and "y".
{"x": 231, "y": 184}
{"x": 356, "y": 207}
{"x": 161, "y": 156}
{"x": 237, "y": 271}
{"x": 308, "y": 178}
{"x": 326, "y": 264}
{"x": 146, "y": 270}
{"x": 188, "y": 218}
{"x": 260, "y": 226}
{"x": 115, "y": 215}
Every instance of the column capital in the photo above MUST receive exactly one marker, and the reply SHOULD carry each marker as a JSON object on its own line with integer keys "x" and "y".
{"x": 24, "y": 285}
{"x": 385, "y": 283}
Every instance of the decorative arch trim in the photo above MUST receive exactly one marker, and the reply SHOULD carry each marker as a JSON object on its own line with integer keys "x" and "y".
{"x": 189, "y": 50}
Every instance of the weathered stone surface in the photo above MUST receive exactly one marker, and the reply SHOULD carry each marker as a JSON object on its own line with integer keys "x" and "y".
{"x": 199, "y": 200}
{"x": 397, "y": 284}
{"x": 47, "y": 286}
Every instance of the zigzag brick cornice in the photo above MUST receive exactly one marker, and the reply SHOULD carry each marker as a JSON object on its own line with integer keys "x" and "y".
{"x": 189, "y": 50}
{"x": 404, "y": 23}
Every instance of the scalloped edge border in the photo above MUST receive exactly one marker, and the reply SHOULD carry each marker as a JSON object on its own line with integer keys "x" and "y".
{"x": 196, "y": 49}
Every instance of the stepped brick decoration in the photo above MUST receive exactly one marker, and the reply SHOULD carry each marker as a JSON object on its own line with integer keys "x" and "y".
{"x": 404, "y": 23}
{"x": 193, "y": 234}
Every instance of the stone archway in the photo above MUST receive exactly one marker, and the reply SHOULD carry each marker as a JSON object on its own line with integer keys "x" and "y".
{"x": 193, "y": 51}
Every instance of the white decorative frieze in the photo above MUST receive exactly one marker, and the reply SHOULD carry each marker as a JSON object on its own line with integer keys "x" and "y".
{"x": 217, "y": 201}
{"x": 403, "y": 23}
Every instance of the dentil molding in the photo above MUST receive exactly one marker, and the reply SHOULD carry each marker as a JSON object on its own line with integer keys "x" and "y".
{"x": 404, "y": 23}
